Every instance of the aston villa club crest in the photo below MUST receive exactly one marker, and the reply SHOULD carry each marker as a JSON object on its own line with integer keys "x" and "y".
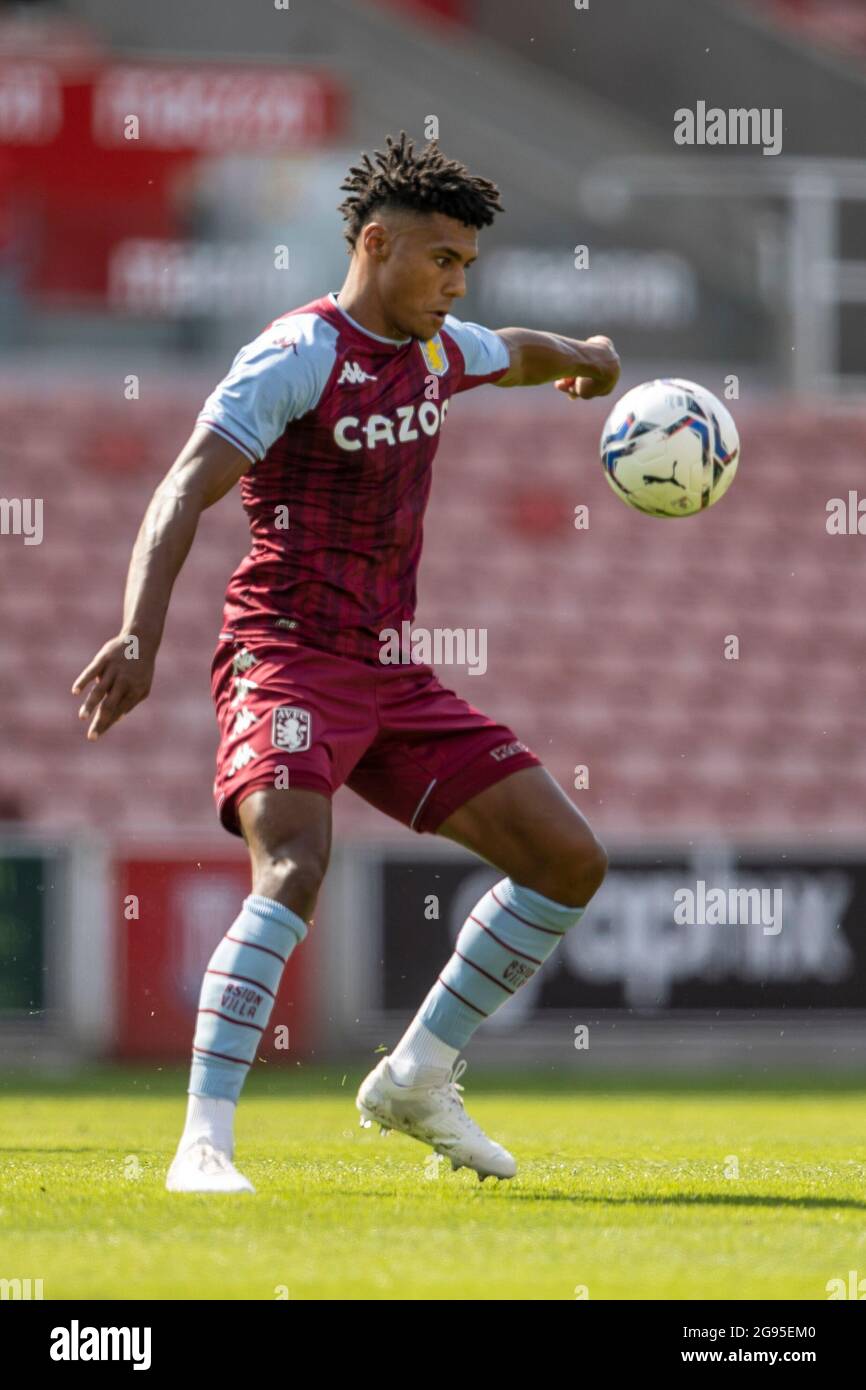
{"x": 290, "y": 729}
{"x": 434, "y": 355}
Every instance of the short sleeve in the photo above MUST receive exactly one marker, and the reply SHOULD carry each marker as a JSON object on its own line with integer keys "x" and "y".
{"x": 274, "y": 379}
{"x": 485, "y": 355}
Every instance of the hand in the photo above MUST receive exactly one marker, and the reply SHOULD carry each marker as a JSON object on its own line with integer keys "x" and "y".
{"x": 122, "y": 675}
{"x": 602, "y": 375}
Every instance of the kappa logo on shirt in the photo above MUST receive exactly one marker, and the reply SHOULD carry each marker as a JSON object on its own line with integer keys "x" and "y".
{"x": 290, "y": 728}
{"x": 353, "y": 375}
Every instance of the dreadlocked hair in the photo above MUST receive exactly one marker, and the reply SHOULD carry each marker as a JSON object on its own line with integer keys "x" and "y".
{"x": 426, "y": 182}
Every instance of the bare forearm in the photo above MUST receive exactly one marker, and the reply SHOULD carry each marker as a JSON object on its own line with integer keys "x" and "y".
{"x": 119, "y": 676}
{"x": 204, "y": 471}
{"x": 160, "y": 549}
{"x": 538, "y": 357}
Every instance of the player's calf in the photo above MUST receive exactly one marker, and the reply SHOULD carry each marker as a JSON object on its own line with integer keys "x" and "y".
{"x": 501, "y": 946}
{"x": 288, "y": 841}
{"x": 554, "y": 865}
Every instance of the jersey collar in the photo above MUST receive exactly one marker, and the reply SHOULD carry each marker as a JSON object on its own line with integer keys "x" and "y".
{"x": 392, "y": 342}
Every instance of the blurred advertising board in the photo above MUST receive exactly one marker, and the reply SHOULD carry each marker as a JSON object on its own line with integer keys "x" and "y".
{"x": 711, "y": 929}
{"x": 56, "y": 961}
{"x": 94, "y": 156}
{"x": 170, "y": 913}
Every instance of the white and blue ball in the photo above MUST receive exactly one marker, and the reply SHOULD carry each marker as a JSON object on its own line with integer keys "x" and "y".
{"x": 670, "y": 448}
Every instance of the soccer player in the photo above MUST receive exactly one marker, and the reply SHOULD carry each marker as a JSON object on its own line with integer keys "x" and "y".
{"x": 330, "y": 419}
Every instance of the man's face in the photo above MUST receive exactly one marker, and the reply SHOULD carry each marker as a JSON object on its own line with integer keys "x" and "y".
{"x": 419, "y": 263}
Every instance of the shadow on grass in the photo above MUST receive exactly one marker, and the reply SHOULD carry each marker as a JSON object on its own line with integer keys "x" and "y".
{"x": 285, "y": 1081}
{"x": 697, "y": 1199}
{"x": 38, "y": 1151}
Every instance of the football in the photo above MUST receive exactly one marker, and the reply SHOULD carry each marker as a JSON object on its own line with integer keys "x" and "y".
{"x": 670, "y": 448}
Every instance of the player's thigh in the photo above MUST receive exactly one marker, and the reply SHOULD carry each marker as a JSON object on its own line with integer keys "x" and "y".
{"x": 288, "y": 833}
{"x": 527, "y": 827}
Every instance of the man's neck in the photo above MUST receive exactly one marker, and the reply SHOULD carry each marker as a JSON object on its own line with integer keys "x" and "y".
{"x": 363, "y": 306}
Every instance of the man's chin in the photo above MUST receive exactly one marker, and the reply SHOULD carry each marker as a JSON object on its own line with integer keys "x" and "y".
{"x": 422, "y": 328}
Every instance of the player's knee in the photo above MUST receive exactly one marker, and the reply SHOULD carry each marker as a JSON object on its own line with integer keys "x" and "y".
{"x": 289, "y": 838}
{"x": 291, "y": 874}
{"x": 594, "y": 866}
{"x": 579, "y": 872}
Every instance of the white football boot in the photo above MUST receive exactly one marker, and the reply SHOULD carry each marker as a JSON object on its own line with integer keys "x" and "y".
{"x": 200, "y": 1167}
{"x": 434, "y": 1115}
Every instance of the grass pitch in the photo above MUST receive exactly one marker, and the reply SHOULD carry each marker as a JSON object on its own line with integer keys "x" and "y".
{"x": 730, "y": 1188}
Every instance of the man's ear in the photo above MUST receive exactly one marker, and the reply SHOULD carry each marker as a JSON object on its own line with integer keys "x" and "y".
{"x": 376, "y": 241}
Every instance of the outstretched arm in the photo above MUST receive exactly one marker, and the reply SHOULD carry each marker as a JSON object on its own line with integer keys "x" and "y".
{"x": 121, "y": 672}
{"x": 583, "y": 368}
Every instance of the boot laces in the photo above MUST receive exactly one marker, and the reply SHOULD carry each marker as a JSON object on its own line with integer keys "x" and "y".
{"x": 451, "y": 1089}
{"x": 210, "y": 1159}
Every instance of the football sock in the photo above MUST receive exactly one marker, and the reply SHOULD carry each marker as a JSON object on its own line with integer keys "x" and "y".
{"x": 238, "y": 993}
{"x": 420, "y": 1058}
{"x": 208, "y": 1117}
{"x": 504, "y": 941}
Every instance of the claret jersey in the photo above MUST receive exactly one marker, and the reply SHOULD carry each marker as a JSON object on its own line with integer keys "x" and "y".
{"x": 342, "y": 426}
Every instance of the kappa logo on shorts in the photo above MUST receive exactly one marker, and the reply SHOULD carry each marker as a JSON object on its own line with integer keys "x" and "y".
{"x": 242, "y": 662}
{"x": 507, "y": 750}
{"x": 244, "y": 753}
{"x": 290, "y": 728}
{"x": 243, "y": 686}
{"x": 244, "y": 720}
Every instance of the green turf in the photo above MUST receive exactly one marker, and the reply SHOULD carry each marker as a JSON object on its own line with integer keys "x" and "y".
{"x": 621, "y": 1188}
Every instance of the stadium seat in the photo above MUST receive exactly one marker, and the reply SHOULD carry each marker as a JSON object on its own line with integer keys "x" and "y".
{"x": 604, "y": 646}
